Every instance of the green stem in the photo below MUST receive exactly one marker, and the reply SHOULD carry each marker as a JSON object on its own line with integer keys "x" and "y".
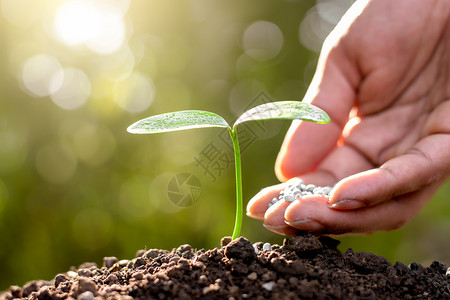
{"x": 239, "y": 203}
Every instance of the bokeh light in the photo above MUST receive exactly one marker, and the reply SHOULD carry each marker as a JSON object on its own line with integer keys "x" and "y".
{"x": 42, "y": 75}
{"x": 134, "y": 94}
{"x": 74, "y": 90}
{"x": 263, "y": 40}
{"x": 77, "y": 22}
{"x": 244, "y": 89}
{"x": 116, "y": 66}
{"x": 96, "y": 24}
{"x": 320, "y": 20}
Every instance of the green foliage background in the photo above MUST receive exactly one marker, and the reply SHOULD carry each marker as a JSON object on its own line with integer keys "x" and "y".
{"x": 75, "y": 186}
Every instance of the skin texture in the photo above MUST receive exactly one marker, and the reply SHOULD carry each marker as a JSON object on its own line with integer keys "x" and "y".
{"x": 384, "y": 78}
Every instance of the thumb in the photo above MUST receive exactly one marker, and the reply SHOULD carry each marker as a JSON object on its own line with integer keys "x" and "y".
{"x": 333, "y": 89}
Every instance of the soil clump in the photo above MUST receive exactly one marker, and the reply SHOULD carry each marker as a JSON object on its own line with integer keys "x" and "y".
{"x": 304, "y": 267}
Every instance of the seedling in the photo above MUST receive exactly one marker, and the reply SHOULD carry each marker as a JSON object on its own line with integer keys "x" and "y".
{"x": 189, "y": 119}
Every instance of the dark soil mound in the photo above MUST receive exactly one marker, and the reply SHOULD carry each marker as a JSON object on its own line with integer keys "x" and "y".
{"x": 305, "y": 267}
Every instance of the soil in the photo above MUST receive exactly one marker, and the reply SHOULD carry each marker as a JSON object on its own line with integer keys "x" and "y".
{"x": 304, "y": 267}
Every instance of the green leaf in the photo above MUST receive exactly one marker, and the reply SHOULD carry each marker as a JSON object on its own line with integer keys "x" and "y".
{"x": 289, "y": 110}
{"x": 179, "y": 120}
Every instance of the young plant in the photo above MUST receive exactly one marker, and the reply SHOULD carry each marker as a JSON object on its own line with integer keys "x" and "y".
{"x": 189, "y": 119}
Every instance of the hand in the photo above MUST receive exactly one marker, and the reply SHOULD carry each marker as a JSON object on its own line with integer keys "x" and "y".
{"x": 384, "y": 78}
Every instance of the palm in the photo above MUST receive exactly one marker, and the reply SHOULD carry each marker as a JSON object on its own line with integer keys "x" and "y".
{"x": 400, "y": 90}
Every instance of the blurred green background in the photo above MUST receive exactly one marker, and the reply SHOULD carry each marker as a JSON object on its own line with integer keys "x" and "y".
{"x": 75, "y": 186}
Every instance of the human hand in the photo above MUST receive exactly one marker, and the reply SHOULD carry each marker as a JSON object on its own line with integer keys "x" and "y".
{"x": 384, "y": 78}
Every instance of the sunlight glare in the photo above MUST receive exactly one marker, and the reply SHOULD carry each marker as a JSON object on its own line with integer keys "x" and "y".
{"x": 76, "y": 22}
{"x": 95, "y": 24}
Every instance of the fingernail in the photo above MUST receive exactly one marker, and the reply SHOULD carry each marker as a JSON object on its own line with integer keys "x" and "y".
{"x": 306, "y": 224}
{"x": 274, "y": 226}
{"x": 346, "y": 204}
{"x": 255, "y": 215}
{"x": 280, "y": 229}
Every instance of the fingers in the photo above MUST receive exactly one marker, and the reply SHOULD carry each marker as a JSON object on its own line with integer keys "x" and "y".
{"x": 427, "y": 162}
{"x": 342, "y": 162}
{"x": 274, "y": 219}
{"x": 315, "y": 215}
{"x": 378, "y": 199}
{"x": 258, "y": 206}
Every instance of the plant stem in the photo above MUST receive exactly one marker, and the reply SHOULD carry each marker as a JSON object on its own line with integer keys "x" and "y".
{"x": 237, "y": 164}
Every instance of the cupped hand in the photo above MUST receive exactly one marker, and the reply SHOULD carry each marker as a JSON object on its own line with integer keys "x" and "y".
{"x": 384, "y": 78}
